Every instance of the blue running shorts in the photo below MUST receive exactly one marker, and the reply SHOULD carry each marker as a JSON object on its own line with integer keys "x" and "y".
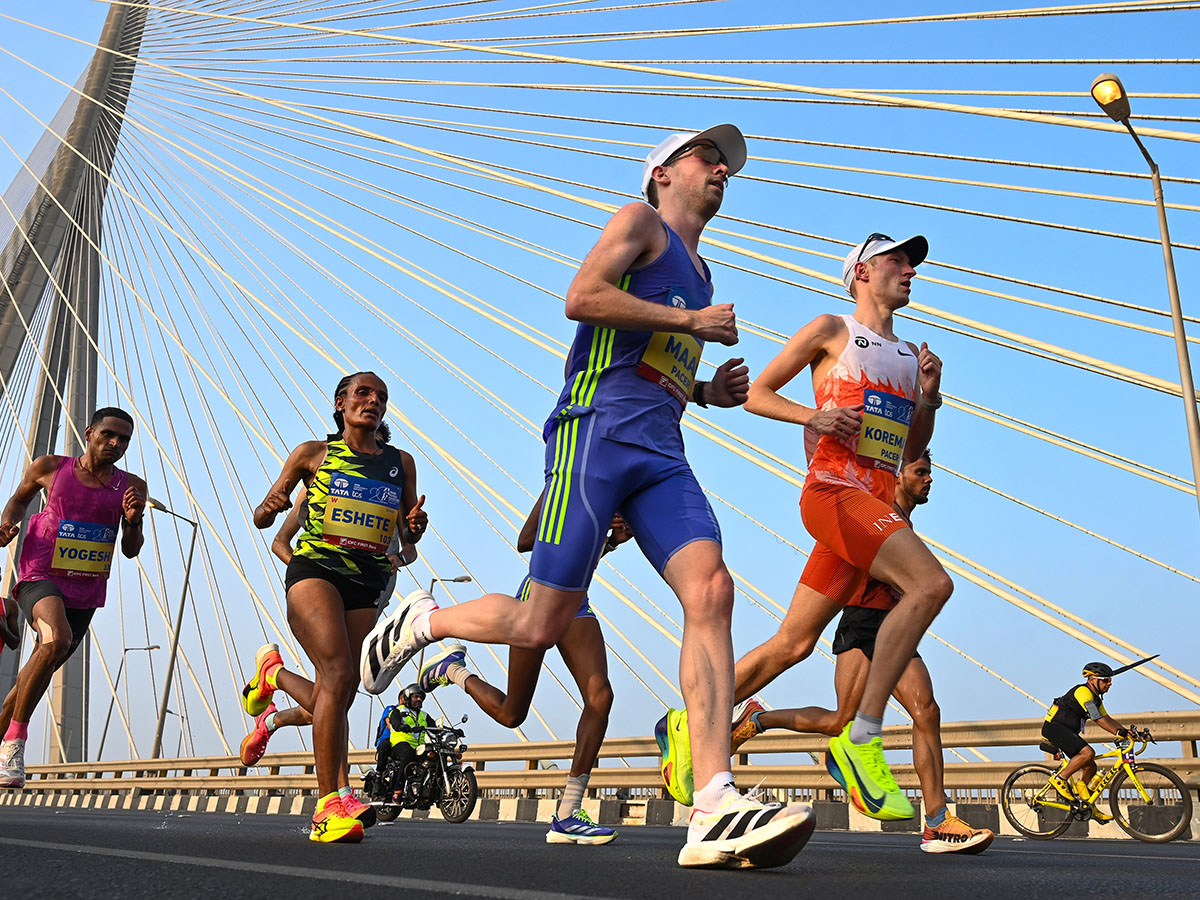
{"x": 585, "y": 608}
{"x": 588, "y": 478}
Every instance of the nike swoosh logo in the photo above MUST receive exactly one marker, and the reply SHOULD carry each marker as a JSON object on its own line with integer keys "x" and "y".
{"x": 902, "y": 353}
{"x": 876, "y": 804}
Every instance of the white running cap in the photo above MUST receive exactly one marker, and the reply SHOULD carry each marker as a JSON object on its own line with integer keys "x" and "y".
{"x": 916, "y": 247}
{"x": 726, "y": 138}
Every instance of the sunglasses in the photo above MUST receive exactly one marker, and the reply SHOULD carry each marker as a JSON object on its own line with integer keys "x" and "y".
{"x": 871, "y": 238}
{"x": 707, "y": 152}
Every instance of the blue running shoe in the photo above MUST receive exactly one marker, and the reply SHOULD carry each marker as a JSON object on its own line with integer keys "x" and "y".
{"x": 435, "y": 673}
{"x": 578, "y": 828}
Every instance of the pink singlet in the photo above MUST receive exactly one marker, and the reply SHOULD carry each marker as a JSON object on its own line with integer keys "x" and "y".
{"x": 71, "y": 542}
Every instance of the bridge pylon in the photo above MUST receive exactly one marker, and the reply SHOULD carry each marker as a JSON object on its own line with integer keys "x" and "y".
{"x": 51, "y": 256}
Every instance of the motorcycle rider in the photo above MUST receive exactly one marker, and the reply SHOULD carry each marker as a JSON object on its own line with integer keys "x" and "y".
{"x": 401, "y": 730}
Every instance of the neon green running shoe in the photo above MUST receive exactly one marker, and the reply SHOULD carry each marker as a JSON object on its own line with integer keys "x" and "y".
{"x": 866, "y": 777}
{"x": 671, "y": 733}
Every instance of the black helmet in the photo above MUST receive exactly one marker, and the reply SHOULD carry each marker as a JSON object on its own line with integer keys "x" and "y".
{"x": 410, "y": 693}
{"x": 1099, "y": 669}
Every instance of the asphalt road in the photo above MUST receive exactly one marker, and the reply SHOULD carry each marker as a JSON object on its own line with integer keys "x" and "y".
{"x": 67, "y": 853}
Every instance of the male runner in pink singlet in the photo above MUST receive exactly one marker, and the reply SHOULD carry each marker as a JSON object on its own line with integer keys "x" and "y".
{"x": 66, "y": 559}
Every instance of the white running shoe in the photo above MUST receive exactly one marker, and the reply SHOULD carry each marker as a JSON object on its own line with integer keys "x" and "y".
{"x": 392, "y": 643}
{"x": 12, "y": 764}
{"x": 742, "y": 833}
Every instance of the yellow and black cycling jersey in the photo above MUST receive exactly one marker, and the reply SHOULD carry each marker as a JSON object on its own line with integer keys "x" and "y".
{"x": 1077, "y": 704}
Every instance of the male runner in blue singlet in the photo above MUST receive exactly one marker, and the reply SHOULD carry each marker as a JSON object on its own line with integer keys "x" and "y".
{"x": 613, "y": 443}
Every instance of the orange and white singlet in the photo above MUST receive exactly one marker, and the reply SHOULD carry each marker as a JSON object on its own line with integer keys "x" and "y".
{"x": 882, "y": 375}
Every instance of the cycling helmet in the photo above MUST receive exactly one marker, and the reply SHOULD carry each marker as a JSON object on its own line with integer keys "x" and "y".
{"x": 1099, "y": 669}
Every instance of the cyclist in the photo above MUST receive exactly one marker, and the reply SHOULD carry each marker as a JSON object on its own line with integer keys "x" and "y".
{"x": 1064, "y": 729}
{"x": 401, "y": 729}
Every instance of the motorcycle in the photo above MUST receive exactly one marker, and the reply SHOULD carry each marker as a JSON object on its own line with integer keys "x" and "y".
{"x": 435, "y": 776}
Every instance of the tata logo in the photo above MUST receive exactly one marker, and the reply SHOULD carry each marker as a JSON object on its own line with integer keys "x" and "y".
{"x": 678, "y": 302}
{"x": 862, "y": 342}
{"x": 875, "y": 400}
{"x": 341, "y": 483}
{"x": 67, "y": 526}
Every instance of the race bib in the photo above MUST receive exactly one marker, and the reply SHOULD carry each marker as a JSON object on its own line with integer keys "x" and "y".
{"x": 83, "y": 549}
{"x": 360, "y": 512}
{"x": 670, "y": 361}
{"x": 886, "y": 420}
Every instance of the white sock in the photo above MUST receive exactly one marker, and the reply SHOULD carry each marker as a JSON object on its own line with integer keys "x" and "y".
{"x": 710, "y": 796}
{"x": 459, "y": 675}
{"x": 865, "y": 727}
{"x": 572, "y": 798}
{"x": 420, "y": 628}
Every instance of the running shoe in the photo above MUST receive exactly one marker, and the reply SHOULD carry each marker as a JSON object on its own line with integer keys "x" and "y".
{"x": 578, "y": 828}
{"x": 332, "y": 824}
{"x": 12, "y": 764}
{"x": 256, "y": 695}
{"x": 392, "y": 643}
{"x": 862, "y": 771}
{"x": 742, "y": 833}
{"x": 356, "y": 809}
{"x": 674, "y": 745}
{"x": 745, "y": 723}
{"x": 254, "y": 745}
{"x": 956, "y": 836}
{"x": 436, "y": 672}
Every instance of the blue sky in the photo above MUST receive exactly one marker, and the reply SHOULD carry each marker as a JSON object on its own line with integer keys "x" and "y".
{"x": 1144, "y": 603}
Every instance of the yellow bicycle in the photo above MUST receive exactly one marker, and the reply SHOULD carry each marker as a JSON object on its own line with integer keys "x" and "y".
{"x": 1148, "y": 801}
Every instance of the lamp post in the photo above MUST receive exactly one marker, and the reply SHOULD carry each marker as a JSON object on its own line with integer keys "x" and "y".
{"x": 1109, "y": 94}
{"x": 151, "y": 503}
{"x": 116, "y": 684}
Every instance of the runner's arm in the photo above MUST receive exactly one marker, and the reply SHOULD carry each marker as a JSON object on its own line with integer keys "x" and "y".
{"x": 133, "y": 514}
{"x": 416, "y": 520}
{"x": 806, "y": 346}
{"x": 528, "y": 535}
{"x": 37, "y": 475}
{"x": 636, "y": 234}
{"x": 929, "y": 379}
{"x": 281, "y": 545}
{"x": 300, "y": 465}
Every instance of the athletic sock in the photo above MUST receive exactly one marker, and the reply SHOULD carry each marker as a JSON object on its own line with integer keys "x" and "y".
{"x": 865, "y": 727}
{"x": 273, "y": 674}
{"x": 937, "y": 818}
{"x": 572, "y": 798}
{"x": 17, "y": 731}
{"x": 345, "y": 792}
{"x": 459, "y": 675}
{"x": 710, "y": 796}
{"x": 421, "y": 627}
{"x": 269, "y": 723}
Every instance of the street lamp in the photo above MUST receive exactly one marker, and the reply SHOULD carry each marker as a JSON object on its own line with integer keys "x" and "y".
{"x": 116, "y": 684}
{"x": 151, "y": 503}
{"x": 1109, "y": 94}
{"x": 458, "y": 579}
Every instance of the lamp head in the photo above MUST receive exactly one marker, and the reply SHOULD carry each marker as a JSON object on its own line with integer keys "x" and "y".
{"x": 1110, "y": 96}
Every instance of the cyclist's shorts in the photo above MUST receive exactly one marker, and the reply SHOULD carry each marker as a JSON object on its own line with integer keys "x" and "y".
{"x": 1062, "y": 737}
{"x": 588, "y": 478}
{"x": 585, "y": 608}
{"x": 850, "y": 526}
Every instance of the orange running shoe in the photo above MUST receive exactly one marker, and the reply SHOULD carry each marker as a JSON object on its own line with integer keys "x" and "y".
{"x": 331, "y": 824}
{"x": 956, "y": 836}
{"x": 254, "y": 745}
{"x": 356, "y": 809}
{"x": 745, "y": 723}
{"x": 256, "y": 695}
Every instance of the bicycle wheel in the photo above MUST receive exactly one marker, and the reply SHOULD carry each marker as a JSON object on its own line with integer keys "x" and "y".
{"x": 1154, "y": 805}
{"x": 1033, "y": 807}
